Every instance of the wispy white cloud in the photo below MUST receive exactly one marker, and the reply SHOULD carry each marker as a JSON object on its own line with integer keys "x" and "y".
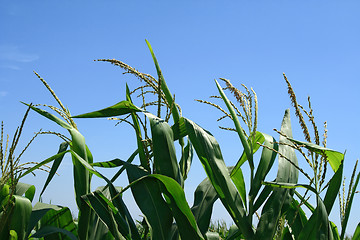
{"x": 14, "y": 53}
{"x": 3, "y": 93}
{"x": 11, "y": 67}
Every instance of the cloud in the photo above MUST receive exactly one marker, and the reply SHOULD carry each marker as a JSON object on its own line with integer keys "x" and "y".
{"x": 3, "y": 93}
{"x": 13, "y": 53}
{"x": 11, "y": 67}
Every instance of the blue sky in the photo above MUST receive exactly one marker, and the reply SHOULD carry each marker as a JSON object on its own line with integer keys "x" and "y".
{"x": 249, "y": 42}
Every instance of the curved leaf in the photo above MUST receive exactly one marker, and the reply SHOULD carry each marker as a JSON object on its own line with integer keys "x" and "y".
{"x": 108, "y": 214}
{"x": 63, "y": 147}
{"x": 333, "y": 189}
{"x": 148, "y": 196}
{"x": 121, "y": 108}
{"x": 335, "y": 158}
{"x": 266, "y": 161}
{"x": 204, "y": 199}
{"x": 209, "y": 153}
{"x": 287, "y": 173}
{"x": 27, "y": 189}
{"x": 186, "y": 159}
{"x": 20, "y": 215}
{"x": 54, "y": 220}
{"x": 318, "y": 226}
{"x": 165, "y": 161}
{"x": 239, "y": 129}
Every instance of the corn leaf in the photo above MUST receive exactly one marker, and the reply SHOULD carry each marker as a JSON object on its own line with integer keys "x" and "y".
{"x": 164, "y": 87}
{"x": 335, "y": 158}
{"x": 287, "y": 173}
{"x": 349, "y": 204}
{"x": 165, "y": 161}
{"x": 357, "y": 232}
{"x": 290, "y": 186}
{"x": 265, "y": 193}
{"x": 186, "y": 160}
{"x": 121, "y": 108}
{"x": 335, "y": 231}
{"x": 209, "y": 153}
{"x": 55, "y": 222}
{"x": 259, "y": 137}
{"x": 306, "y": 203}
{"x": 239, "y": 129}
{"x": 108, "y": 214}
{"x": 50, "y": 117}
{"x": 296, "y": 218}
{"x": 20, "y": 215}
{"x": 63, "y": 147}
{"x": 49, "y": 233}
{"x": 175, "y": 198}
{"x": 204, "y": 199}
{"x": 37, "y": 166}
{"x": 238, "y": 180}
{"x": 148, "y": 196}
{"x": 318, "y": 226}
{"x": 266, "y": 161}
{"x": 27, "y": 189}
{"x": 143, "y": 160}
{"x": 333, "y": 189}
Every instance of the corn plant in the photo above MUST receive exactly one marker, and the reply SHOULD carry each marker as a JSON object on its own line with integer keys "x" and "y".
{"x": 18, "y": 218}
{"x": 157, "y": 182}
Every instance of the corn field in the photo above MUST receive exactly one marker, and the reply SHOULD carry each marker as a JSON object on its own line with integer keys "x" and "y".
{"x": 260, "y": 207}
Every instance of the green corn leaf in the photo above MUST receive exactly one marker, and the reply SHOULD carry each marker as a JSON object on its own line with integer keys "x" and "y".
{"x": 27, "y": 189}
{"x": 109, "y": 164}
{"x": 165, "y": 161}
{"x": 333, "y": 189}
{"x": 112, "y": 193}
{"x": 290, "y": 186}
{"x": 121, "y": 108}
{"x": 286, "y": 235}
{"x": 204, "y": 199}
{"x": 186, "y": 159}
{"x": 55, "y": 222}
{"x": 335, "y": 158}
{"x": 357, "y": 232}
{"x": 335, "y": 231}
{"x": 50, "y": 117}
{"x": 148, "y": 196}
{"x": 265, "y": 193}
{"x": 259, "y": 137}
{"x": 175, "y": 198}
{"x": 48, "y": 233}
{"x": 239, "y": 129}
{"x": 234, "y": 233}
{"x": 296, "y": 218}
{"x": 209, "y": 153}
{"x": 212, "y": 236}
{"x": 143, "y": 160}
{"x": 20, "y": 215}
{"x": 238, "y": 180}
{"x": 348, "y": 208}
{"x": 280, "y": 197}
{"x": 164, "y": 87}
{"x": 266, "y": 161}
{"x": 306, "y": 203}
{"x": 108, "y": 214}
{"x": 13, "y": 235}
{"x": 318, "y": 226}
{"x": 37, "y": 166}
{"x": 82, "y": 177}
{"x": 63, "y": 147}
